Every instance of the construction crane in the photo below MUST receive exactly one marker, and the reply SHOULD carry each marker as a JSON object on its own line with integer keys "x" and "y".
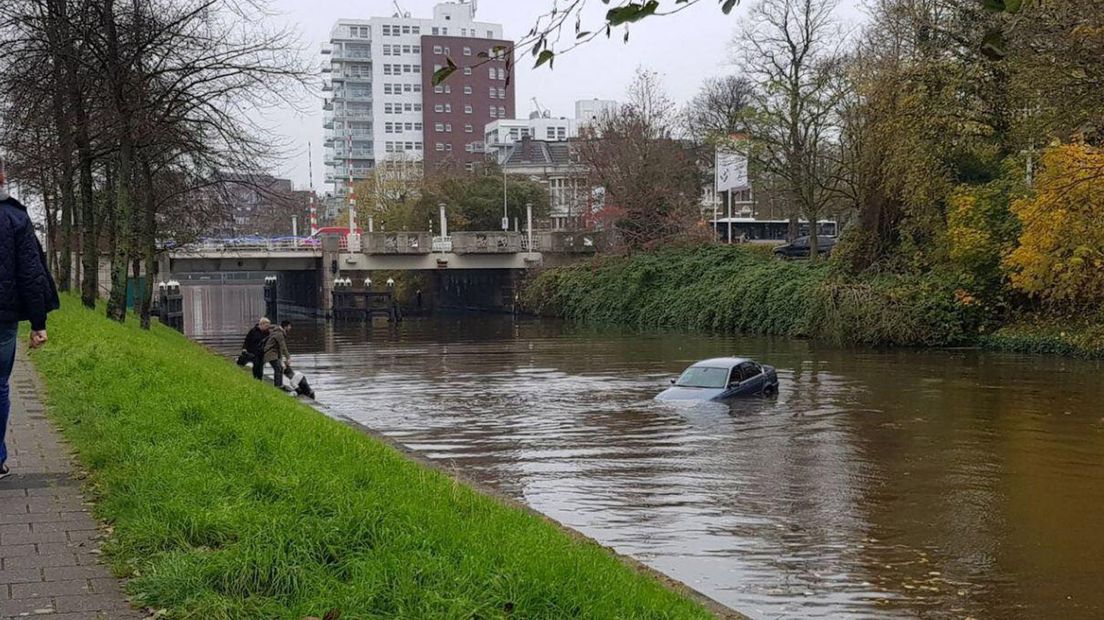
{"x": 540, "y": 111}
{"x": 401, "y": 12}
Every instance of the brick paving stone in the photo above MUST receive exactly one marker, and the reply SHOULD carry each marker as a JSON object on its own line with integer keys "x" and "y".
{"x": 48, "y": 536}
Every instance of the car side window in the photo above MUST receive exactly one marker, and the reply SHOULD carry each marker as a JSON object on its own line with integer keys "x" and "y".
{"x": 734, "y": 377}
{"x": 748, "y": 370}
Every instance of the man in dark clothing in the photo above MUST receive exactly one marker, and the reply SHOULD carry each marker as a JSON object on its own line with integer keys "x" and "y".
{"x": 276, "y": 351}
{"x": 27, "y": 293}
{"x": 254, "y": 346}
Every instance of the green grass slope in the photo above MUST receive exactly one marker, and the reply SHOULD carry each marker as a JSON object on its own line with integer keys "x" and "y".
{"x": 232, "y": 500}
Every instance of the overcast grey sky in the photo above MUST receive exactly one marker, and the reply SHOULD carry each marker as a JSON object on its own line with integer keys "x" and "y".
{"x": 685, "y": 49}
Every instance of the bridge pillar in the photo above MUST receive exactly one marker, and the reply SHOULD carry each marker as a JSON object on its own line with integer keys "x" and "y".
{"x": 331, "y": 254}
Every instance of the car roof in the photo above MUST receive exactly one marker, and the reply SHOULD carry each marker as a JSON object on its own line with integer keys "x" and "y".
{"x": 721, "y": 362}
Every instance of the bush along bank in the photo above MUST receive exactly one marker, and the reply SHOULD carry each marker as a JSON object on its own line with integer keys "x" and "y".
{"x": 745, "y": 289}
{"x": 229, "y": 499}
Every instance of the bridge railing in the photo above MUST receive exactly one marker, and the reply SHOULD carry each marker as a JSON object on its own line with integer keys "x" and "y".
{"x": 397, "y": 243}
{"x": 497, "y": 242}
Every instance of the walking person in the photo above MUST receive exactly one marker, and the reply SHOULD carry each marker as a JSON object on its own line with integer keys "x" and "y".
{"x": 27, "y": 293}
{"x": 276, "y": 351}
{"x": 254, "y": 347}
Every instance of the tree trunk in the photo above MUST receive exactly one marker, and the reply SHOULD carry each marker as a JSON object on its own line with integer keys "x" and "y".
{"x": 149, "y": 243}
{"x": 116, "y": 301}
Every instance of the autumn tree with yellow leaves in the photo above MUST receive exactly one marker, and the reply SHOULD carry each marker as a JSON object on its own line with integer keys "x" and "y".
{"x": 1060, "y": 257}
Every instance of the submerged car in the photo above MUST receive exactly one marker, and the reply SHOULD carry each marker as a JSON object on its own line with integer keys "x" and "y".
{"x": 801, "y": 247}
{"x": 722, "y": 378}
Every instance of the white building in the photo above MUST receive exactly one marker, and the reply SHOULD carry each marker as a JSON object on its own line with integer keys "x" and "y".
{"x": 504, "y": 132}
{"x": 589, "y": 110}
{"x": 374, "y": 72}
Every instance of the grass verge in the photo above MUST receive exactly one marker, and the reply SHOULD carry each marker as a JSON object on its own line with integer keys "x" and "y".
{"x": 1050, "y": 337}
{"x": 231, "y": 500}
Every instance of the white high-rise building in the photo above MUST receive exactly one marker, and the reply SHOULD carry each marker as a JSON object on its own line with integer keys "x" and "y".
{"x": 377, "y": 75}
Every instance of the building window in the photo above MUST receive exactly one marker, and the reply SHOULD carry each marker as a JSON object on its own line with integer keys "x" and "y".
{"x": 492, "y": 73}
{"x": 492, "y": 92}
{"x": 415, "y": 30}
{"x": 448, "y": 89}
{"x": 448, "y": 147}
{"x": 444, "y": 31}
{"x": 437, "y": 49}
{"x": 416, "y": 49}
{"x": 467, "y": 71}
{"x": 468, "y": 128}
{"x": 502, "y": 93}
{"x": 417, "y": 88}
{"x": 467, "y": 90}
{"x": 490, "y": 34}
{"x": 501, "y": 112}
{"x": 417, "y": 107}
{"x": 386, "y": 30}
{"x": 417, "y": 146}
{"x": 439, "y": 89}
{"x": 387, "y": 89}
{"x": 501, "y": 73}
{"x": 417, "y": 126}
{"x": 467, "y": 51}
{"x": 561, "y": 133}
{"x": 387, "y": 69}
{"x": 406, "y": 68}
{"x": 448, "y": 127}
{"x": 409, "y": 126}
{"x": 406, "y": 29}
{"x": 407, "y": 87}
{"x": 494, "y": 112}
{"x": 406, "y": 49}
{"x": 448, "y": 52}
{"x": 410, "y": 146}
{"x": 439, "y": 108}
{"x": 436, "y": 30}
{"x": 439, "y": 127}
{"x": 440, "y": 146}
{"x": 551, "y": 133}
{"x": 408, "y": 107}
{"x": 467, "y": 109}
{"x": 417, "y": 68}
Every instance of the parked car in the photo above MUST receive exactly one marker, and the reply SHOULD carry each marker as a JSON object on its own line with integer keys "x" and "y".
{"x": 722, "y": 378}
{"x": 800, "y": 247}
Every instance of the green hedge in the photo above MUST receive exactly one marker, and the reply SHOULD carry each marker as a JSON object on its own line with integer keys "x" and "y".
{"x": 230, "y": 499}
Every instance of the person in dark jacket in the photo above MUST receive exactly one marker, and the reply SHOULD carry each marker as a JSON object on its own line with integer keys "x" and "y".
{"x": 254, "y": 346}
{"x": 276, "y": 351}
{"x": 27, "y": 293}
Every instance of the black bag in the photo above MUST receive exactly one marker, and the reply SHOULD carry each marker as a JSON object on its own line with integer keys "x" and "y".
{"x": 244, "y": 358}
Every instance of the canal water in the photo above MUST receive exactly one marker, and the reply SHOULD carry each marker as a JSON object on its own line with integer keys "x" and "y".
{"x": 935, "y": 484}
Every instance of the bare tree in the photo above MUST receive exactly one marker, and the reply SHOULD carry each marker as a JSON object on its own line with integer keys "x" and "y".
{"x": 719, "y": 109}
{"x": 652, "y": 182}
{"x": 791, "y": 49}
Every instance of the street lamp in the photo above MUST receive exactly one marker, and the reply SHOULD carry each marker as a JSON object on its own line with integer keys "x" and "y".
{"x": 368, "y": 283}
{"x": 390, "y": 282}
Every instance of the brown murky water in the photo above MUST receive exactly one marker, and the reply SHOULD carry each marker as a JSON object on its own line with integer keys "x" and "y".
{"x": 876, "y": 484}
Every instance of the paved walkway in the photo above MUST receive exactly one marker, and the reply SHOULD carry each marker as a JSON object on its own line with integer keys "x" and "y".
{"x": 49, "y": 562}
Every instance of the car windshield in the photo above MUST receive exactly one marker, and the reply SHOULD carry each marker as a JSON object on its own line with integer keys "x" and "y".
{"x": 704, "y": 377}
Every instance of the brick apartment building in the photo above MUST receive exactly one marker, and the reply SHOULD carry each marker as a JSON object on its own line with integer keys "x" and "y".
{"x": 456, "y": 111}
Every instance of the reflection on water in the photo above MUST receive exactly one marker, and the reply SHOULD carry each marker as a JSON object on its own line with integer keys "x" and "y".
{"x": 887, "y": 484}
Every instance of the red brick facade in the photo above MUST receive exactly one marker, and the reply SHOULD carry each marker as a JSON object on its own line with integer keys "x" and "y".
{"x": 455, "y": 112}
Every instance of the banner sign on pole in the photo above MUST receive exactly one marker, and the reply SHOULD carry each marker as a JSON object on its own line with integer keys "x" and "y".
{"x": 732, "y": 170}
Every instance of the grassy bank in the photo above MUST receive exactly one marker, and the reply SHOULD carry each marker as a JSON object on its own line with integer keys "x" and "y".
{"x": 231, "y": 500}
{"x": 1066, "y": 338}
{"x": 744, "y": 289}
